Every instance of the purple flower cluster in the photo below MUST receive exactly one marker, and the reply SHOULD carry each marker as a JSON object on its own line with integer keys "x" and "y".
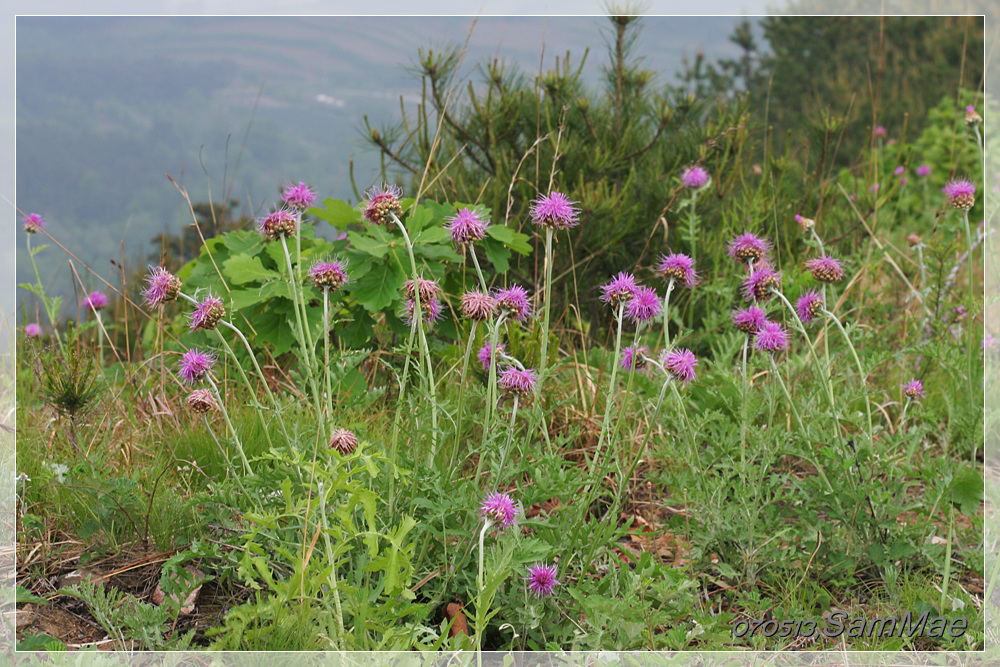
{"x": 343, "y": 441}
{"x": 278, "y": 224}
{"x": 430, "y": 310}
{"x": 207, "y": 314}
{"x": 162, "y": 287}
{"x": 748, "y": 247}
{"x": 428, "y": 290}
{"x": 500, "y": 509}
{"x": 467, "y": 226}
{"x": 32, "y": 330}
{"x": 634, "y": 357}
{"x": 195, "y": 364}
{"x": 770, "y": 338}
{"x": 299, "y": 197}
{"x": 808, "y": 306}
{"x": 514, "y": 300}
{"x": 680, "y": 364}
{"x": 694, "y": 177}
{"x": 485, "y": 352}
{"x": 554, "y": 210}
{"x": 515, "y": 381}
{"x": 33, "y": 223}
{"x": 825, "y": 269}
{"x": 760, "y": 282}
{"x": 328, "y": 275}
{"x": 644, "y": 306}
{"x": 95, "y": 301}
{"x": 679, "y": 267}
{"x": 542, "y": 579}
{"x": 749, "y": 320}
{"x": 914, "y": 389}
{"x": 961, "y": 193}
{"x": 383, "y": 202}
{"x": 620, "y": 289}
{"x": 479, "y": 306}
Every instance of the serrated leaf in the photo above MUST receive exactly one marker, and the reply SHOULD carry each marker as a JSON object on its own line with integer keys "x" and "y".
{"x": 516, "y": 241}
{"x": 336, "y": 212}
{"x": 966, "y": 490}
{"x": 379, "y": 287}
{"x": 242, "y": 241}
{"x": 376, "y": 247}
{"x": 497, "y": 253}
{"x": 24, "y": 595}
{"x": 243, "y": 269}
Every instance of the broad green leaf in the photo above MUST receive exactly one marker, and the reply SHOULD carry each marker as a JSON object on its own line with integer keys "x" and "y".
{"x": 516, "y": 241}
{"x": 431, "y": 235}
{"x": 376, "y": 247}
{"x": 242, "y": 241}
{"x": 497, "y": 253}
{"x": 967, "y": 490}
{"x": 379, "y": 287}
{"x": 336, "y": 212}
{"x": 242, "y": 269}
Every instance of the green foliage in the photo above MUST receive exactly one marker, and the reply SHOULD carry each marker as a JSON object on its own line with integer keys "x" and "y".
{"x": 70, "y": 375}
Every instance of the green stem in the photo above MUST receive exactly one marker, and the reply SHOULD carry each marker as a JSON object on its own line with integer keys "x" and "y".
{"x": 743, "y": 406}
{"x": 246, "y": 382}
{"x": 947, "y": 558}
{"x": 543, "y": 362}
{"x": 300, "y": 332}
{"x": 666, "y": 306}
{"x": 225, "y": 455}
{"x": 861, "y": 373}
{"x": 692, "y": 445}
{"x": 510, "y": 443}
{"x": 480, "y": 588}
{"x": 333, "y": 580}
{"x": 326, "y": 354}
{"x": 479, "y": 271}
{"x": 821, "y": 371}
{"x": 788, "y": 396}
{"x": 49, "y": 309}
{"x": 229, "y": 423}
{"x": 461, "y": 385}
{"x": 611, "y": 387}
{"x": 491, "y": 385}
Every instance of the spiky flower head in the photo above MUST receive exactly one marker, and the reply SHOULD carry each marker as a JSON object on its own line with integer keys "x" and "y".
{"x": 485, "y": 352}
{"x": 329, "y": 275}
{"x": 961, "y": 193}
{"x": 680, "y": 364}
{"x": 278, "y": 224}
{"x": 428, "y": 289}
{"x": 383, "y": 201}
{"x": 162, "y": 287}
{"x": 514, "y": 299}
{"x": 899, "y": 171}
{"x": 924, "y": 170}
{"x": 749, "y": 320}
{"x": 770, "y": 338}
{"x": 32, "y": 330}
{"x": 202, "y": 401}
{"x": 644, "y": 306}
{"x": 479, "y": 306}
{"x": 634, "y": 357}
{"x": 207, "y": 314}
{"x": 500, "y": 509}
{"x": 694, "y": 177}
{"x": 880, "y": 132}
{"x": 619, "y": 289}
{"x": 195, "y": 364}
{"x": 516, "y": 381}
{"x": 467, "y": 226}
{"x": 542, "y": 579}
{"x": 299, "y": 197}
{"x": 430, "y": 311}
{"x": 760, "y": 282}
{"x": 33, "y": 223}
{"x": 554, "y": 210}
{"x": 914, "y": 389}
{"x": 748, "y": 247}
{"x": 971, "y": 117}
{"x": 913, "y": 240}
{"x": 678, "y": 266}
{"x": 95, "y": 301}
{"x": 343, "y": 441}
{"x": 825, "y": 269}
{"x": 808, "y": 306}
{"x": 805, "y": 224}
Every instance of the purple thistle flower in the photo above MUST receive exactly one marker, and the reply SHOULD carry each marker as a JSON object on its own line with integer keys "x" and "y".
{"x": 202, "y": 401}
{"x": 619, "y": 289}
{"x": 644, "y": 306}
{"x": 485, "y": 352}
{"x": 873, "y": 187}
{"x": 808, "y": 306}
{"x": 694, "y": 177}
{"x": 913, "y": 240}
{"x": 903, "y": 180}
{"x": 760, "y": 282}
{"x": 749, "y": 320}
{"x": 989, "y": 342}
{"x": 499, "y": 508}
{"x": 971, "y": 116}
{"x": 95, "y": 301}
{"x": 515, "y": 381}
{"x": 207, "y": 314}
{"x": 680, "y": 364}
{"x": 961, "y": 193}
{"x": 162, "y": 287}
{"x": 542, "y": 579}
{"x": 466, "y": 226}
{"x": 299, "y": 197}
{"x": 33, "y": 223}
{"x": 278, "y": 224}
{"x": 914, "y": 389}
{"x": 430, "y": 310}
{"x": 900, "y": 170}
{"x": 678, "y": 266}
{"x": 825, "y": 269}
{"x": 195, "y": 364}
{"x": 805, "y": 224}
{"x": 328, "y": 275}
{"x": 634, "y": 357}
{"x": 383, "y": 201}
{"x": 554, "y": 210}
{"x": 33, "y": 330}
{"x": 514, "y": 299}
{"x": 924, "y": 170}
{"x": 343, "y": 441}
{"x": 748, "y": 246}
{"x": 479, "y": 306}
{"x": 880, "y": 132}
{"x": 428, "y": 289}
{"x": 770, "y": 338}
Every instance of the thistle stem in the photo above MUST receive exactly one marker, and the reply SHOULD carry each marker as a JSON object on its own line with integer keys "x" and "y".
{"x": 611, "y": 386}
{"x": 246, "y": 380}
{"x": 543, "y": 361}
{"x": 861, "y": 373}
{"x": 49, "y": 310}
{"x": 229, "y": 423}
{"x": 788, "y": 396}
{"x": 301, "y": 334}
{"x": 666, "y": 306}
{"x": 510, "y": 442}
{"x": 326, "y": 354}
{"x": 479, "y": 271}
{"x": 461, "y": 385}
